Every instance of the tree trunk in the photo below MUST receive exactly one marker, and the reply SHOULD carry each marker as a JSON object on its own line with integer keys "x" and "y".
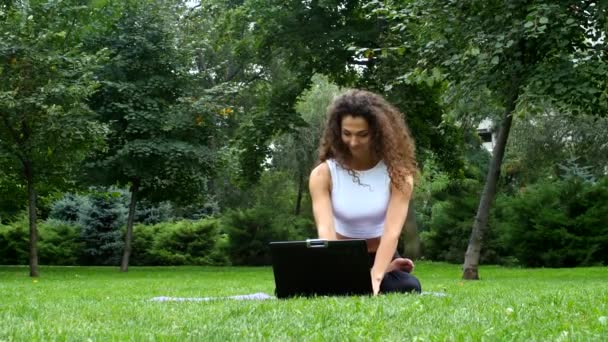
{"x": 31, "y": 192}
{"x": 300, "y": 192}
{"x": 124, "y": 266}
{"x": 471, "y": 258}
{"x": 411, "y": 241}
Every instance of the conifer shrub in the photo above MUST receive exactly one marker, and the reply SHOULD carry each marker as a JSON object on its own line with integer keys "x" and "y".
{"x": 14, "y": 242}
{"x": 560, "y": 223}
{"x": 59, "y": 243}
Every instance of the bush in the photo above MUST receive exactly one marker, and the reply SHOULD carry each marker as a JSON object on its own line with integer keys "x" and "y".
{"x": 556, "y": 223}
{"x": 59, "y": 243}
{"x": 14, "y": 243}
{"x": 143, "y": 243}
{"x": 251, "y": 230}
{"x": 147, "y": 213}
{"x": 101, "y": 223}
{"x": 179, "y": 243}
{"x": 68, "y": 208}
{"x": 451, "y": 222}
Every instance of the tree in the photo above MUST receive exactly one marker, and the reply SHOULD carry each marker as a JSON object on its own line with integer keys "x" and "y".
{"x": 524, "y": 54}
{"x": 46, "y": 127}
{"x": 541, "y": 145}
{"x": 297, "y": 152}
{"x": 159, "y": 129}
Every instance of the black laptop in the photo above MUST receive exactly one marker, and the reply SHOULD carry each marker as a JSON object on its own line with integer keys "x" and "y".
{"x": 321, "y": 268}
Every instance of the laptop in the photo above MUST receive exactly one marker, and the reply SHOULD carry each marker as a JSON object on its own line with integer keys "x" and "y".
{"x": 321, "y": 268}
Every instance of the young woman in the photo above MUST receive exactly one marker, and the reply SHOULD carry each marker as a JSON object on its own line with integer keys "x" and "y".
{"x": 363, "y": 183}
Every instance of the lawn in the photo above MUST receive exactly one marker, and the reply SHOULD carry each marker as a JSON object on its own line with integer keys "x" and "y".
{"x": 99, "y": 303}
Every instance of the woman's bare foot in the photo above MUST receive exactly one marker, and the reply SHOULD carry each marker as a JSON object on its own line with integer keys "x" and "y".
{"x": 401, "y": 264}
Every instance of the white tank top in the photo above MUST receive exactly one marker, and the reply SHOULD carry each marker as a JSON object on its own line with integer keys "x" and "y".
{"x": 359, "y": 209}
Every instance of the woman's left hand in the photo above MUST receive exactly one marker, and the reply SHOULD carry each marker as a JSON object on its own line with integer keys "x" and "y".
{"x": 376, "y": 284}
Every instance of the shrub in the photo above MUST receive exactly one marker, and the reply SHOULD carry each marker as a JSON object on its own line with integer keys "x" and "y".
{"x": 179, "y": 243}
{"x": 147, "y": 213}
{"x": 187, "y": 242}
{"x": 557, "y": 223}
{"x": 101, "y": 223}
{"x": 68, "y": 208}
{"x": 450, "y": 224}
{"x": 59, "y": 243}
{"x": 251, "y": 230}
{"x": 143, "y": 243}
{"x": 14, "y": 243}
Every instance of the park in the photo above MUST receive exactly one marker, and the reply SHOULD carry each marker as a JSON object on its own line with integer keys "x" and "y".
{"x": 151, "y": 150}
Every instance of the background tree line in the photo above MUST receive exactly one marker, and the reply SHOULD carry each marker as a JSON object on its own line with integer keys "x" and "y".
{"x": 153, "y": 133}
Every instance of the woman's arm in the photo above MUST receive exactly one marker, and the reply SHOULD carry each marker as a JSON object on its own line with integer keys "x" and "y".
{"x": 319, "y": 185}
{"x": 395, "y": 219}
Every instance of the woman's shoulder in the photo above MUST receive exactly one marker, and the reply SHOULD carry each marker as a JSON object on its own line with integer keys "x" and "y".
{"x": 321, "y": 170}
{"x": 320, "y": 177}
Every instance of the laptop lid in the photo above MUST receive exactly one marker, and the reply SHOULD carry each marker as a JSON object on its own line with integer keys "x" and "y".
{"x": 321, "y": 268}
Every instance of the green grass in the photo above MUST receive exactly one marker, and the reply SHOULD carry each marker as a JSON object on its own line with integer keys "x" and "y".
{"x": 97, "y": 303}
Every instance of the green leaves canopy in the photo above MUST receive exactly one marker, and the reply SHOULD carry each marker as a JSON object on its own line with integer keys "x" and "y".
{"x": 46, "y": 78}
{"x": 158, "y": 136}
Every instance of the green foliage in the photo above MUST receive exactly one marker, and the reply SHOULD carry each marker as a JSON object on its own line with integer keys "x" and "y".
{"x": 60, "y": 243}
{"x": 45, "y": 124}
{"x": 150, "y": 213}
{"x": 68, "y": 207}
{"x": 446, "y": 233}
{"x": 158, "y": 138}
{"x": 445, "y": 206}
{"x": 13, "y": 196}
{"x": 46, "y": 127}
{"x": 251, "y": 230}
{"x": 560, "y": 223}
{"x": 539, "y": 145}
{"x": 296, "y": 152}
{"x": 179, "y": 243}
{"x": 540, "y": 52}
{"x": 268, "y": 217}
{"x": 14, "y": 243}
{"x": 101, "y": 233}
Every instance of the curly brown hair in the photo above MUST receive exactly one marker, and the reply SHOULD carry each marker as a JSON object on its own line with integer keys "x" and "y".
{"x": 391, "y": 139}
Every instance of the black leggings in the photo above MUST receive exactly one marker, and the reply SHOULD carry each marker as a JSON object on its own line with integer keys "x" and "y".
{"x": 397, "y": 281}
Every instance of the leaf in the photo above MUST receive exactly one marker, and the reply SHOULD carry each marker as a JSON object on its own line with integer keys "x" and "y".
{"x": 436, "y": 74}
{"x": 528, "y": 24}
{"x": 495, "y": 60}
{"x": 543, "y": 20}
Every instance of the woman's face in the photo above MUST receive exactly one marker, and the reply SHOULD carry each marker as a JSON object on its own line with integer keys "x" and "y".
{"x": 356, "y": 135}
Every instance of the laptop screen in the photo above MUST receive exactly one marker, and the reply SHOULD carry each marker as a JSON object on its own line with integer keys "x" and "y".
{"x": 321, "y": 268}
